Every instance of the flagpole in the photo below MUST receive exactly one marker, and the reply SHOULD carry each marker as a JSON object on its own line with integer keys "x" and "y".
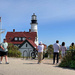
{"x": 1, "y": 26}
{"x": 0, "y": 29}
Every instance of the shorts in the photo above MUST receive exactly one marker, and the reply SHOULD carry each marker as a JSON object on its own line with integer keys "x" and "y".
{"x": 3, "y": 53}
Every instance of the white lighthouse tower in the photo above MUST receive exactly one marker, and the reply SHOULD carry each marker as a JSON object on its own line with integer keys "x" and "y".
{"x": 34, "y": 27}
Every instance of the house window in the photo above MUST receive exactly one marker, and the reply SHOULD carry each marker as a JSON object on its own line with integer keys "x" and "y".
{"x": 10, "y": 38}
{"x": 16, "y": 38}
{"x": 23, "y": 38}
{"x": 26, "y": 45}
{"x": 29, "y": 38}
{"x": 35, "y": 38}
{"x": 19, "y": 39}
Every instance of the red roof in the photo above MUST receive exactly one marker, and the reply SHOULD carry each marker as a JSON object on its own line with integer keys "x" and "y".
{"x": 32, "y": 43}
{"x": 17, "y": 42}
{"x": 11, "y": 35}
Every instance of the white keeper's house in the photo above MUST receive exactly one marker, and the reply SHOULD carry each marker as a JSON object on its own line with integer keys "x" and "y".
{"x": 26, "y": 41}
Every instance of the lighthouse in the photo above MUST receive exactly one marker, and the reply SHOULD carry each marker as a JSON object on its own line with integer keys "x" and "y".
{"x": 34, "y": 27}
{"x": 34, "y": 23}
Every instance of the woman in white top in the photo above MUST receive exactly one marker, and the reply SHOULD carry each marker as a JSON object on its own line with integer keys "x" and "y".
{"x": 63, "y": 49}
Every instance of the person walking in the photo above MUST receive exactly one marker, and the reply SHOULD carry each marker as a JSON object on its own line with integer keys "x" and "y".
{"x": 40, "y": 52}
{"x": 63, "y": 48}
{"x": 56, "y": 47}
{"x": 4, "y": 51}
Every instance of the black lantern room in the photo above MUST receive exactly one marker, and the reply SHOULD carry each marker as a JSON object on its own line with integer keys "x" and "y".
{"x": 34, "y": 19}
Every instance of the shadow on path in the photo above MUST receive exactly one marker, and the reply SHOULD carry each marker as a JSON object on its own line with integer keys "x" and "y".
{"x": 64, "y": 68}
{"x": 29, "y": 63}
{"x": 41, "y": 63}
{"x": 1, "y": 74}
{"x": 48, "y": 63}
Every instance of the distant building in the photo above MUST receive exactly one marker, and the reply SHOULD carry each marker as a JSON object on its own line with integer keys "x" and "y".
{"x": 26, "y": 41}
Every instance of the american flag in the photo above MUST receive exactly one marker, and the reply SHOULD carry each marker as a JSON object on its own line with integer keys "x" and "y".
{"x": 0, "y": 19}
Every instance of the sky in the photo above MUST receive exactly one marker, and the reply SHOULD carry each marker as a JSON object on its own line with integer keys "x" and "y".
{"x": 56, "y": 18}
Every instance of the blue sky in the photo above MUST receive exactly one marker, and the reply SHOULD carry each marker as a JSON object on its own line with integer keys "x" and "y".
{"x": 56, "y": 18}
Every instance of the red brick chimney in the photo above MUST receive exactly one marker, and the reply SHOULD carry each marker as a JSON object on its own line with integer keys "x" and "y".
{"x": 13, "y": 30}
{"x": 29, "y": 30}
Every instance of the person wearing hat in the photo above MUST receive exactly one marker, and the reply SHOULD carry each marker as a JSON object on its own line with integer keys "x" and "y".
{"x": 4, "y": 51}
{"x": 40, "y": 52}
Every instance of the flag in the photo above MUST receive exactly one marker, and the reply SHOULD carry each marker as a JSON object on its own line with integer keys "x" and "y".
{"x": 0, "y": 19}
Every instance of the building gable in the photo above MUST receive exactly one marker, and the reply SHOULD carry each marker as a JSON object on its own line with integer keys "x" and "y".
{"x": 26, "y": 44}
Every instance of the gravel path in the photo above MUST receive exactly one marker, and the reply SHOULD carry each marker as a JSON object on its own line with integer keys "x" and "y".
{"x": 18, "y": 66}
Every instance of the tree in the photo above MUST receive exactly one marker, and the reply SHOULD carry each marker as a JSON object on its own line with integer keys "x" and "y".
{"x": 72, "y": 48}
{"x": 50, "y": 50}
{"x": 13, "y": 51}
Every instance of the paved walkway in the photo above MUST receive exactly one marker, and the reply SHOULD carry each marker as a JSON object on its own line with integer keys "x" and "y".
{"x": 18, "y": 66}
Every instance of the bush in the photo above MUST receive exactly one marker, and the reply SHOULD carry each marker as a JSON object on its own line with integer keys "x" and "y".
{"x": 46, "y": 54}
{"x": 69, "y": 60}
{"x": 13, "y": 51}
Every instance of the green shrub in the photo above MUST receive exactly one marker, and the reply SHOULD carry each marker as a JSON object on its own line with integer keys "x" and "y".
{"x": 13, "y": 51}
{"x": 46, "y": 54}
{"x": 72, "y": 64}
{"x": 69, "y": 60}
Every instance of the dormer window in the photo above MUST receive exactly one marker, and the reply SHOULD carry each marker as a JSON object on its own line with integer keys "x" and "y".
{"x": 16, "y": 38}
{"x": 10, "y": 38}
{"x": 23, "y": 38}
{"x": 29, "y": 38}
{"x": 19, "y": 38}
